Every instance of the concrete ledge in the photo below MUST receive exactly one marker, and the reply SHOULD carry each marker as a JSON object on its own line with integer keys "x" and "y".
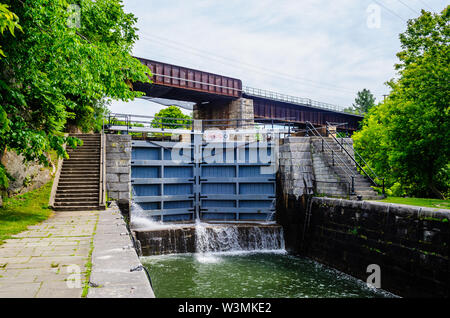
{"x": 113, "y": 258}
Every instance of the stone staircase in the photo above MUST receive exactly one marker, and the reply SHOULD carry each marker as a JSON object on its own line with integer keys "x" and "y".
{"x": 327, "y": 182}
{"x": 79, "y": 181}
{"x": 339, "y": 172}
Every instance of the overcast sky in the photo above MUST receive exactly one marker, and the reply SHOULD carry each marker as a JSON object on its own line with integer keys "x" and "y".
{"x": 326, "y": 50}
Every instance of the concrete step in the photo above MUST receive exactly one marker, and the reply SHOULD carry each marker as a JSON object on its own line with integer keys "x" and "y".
{"x": 82, "y": 161}
{"x": 78, "y": 201}
{"x": 76, "y": 195}
{"x": 79, "y": 176}
{"x": 71, "y": 171}
{"x": 63, "y": 190}
{"x": 79, "y": 183}
{"x": 85, "y": 149}
{"x": 78, "y": 208}
{"x": 79, "y": 173}
{"x": 77, "y": 179}
{"x": 77, "y": 188}
{"x": 79, "y": 204}
{"x": 88, "y": 153}
{"x": 80, "y": 165}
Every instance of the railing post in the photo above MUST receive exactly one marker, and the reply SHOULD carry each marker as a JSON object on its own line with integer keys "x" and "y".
{"x": 322, "y": 145}
{"x": 353, "y": 184}
{"x": 332, "y": 156}
{"x": 384, "y": 193}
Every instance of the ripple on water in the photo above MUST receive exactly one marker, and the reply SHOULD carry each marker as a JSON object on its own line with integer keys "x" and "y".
{"x": 250, "y": 275}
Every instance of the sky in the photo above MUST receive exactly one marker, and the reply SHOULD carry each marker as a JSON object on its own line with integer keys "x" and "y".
{"x": 326, "y": 50}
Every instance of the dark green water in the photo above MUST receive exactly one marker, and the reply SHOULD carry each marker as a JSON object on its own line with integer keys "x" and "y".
{"x": 251, "y": 275}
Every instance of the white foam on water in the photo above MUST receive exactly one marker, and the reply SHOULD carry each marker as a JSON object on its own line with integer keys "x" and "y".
{"x": 139, "y": 220}
{"x": 214, "y": 240}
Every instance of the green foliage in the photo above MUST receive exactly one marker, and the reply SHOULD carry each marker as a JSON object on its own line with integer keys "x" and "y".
{"x": 364, "y": 101}
{"x": 171, "y": 117}
{"x": 54, "y": 74}
{"x": 406, "y": 139}
{"x": 8, "y": 21}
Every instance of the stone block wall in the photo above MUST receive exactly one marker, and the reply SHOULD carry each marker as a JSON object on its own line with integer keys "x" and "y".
{"x": 295, "y": 169}
{"x": 294, "y": 186}
{"x": 118, "y": 167}
{"x": 410, "y": 244}
{"x": 236, "y": 109}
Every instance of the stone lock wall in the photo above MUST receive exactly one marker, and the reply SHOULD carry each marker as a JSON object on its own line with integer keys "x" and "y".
{"x": 118, "y": 167}
{"x": 410, "y": 244}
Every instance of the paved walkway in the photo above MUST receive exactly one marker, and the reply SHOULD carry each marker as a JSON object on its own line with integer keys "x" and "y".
{"x": 49, "y": 259}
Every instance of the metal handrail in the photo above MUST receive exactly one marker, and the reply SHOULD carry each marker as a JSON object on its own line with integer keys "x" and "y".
{"x": 356, "y": 162}
{"x": 291, "y": 99}
{"x": 102, "y": 176}
{"x": 349, "y": 174}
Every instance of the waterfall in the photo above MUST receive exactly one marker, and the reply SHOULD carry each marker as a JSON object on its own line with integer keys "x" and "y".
{"x": 203, "y": 238}
{"x": 232, "y": 238}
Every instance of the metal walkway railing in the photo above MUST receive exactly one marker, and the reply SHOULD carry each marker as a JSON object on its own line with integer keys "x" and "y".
{"x": 335, "y": 157}
{"x": 257, "y": 92}
{"x": 372, "y": 176}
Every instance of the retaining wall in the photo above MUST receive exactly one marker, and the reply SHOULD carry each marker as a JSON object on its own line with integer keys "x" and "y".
{"x": 118, "y": 161}
{"x": 410, "y": 244}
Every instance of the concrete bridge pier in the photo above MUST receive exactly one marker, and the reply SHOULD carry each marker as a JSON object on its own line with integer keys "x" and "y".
{"x": 241, "y": 108}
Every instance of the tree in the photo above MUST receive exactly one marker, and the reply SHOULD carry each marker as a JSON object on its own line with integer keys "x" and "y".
{"x": 407, "y": 137}
{"x": 54, "y": 74}
{"x": 9, "y": 22}
{"x": 171, "y": 117}
{"x": 364, "y": 101}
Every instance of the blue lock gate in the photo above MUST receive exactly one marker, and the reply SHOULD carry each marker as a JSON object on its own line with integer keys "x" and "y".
{"x": 237, "y": 186}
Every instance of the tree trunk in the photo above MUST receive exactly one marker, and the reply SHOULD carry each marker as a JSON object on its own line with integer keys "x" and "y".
{"x": 435, "y": 191}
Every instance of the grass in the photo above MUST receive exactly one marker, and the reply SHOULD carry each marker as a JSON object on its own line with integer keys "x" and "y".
{"x": 89, "y": 264}
{"x": 429, "y": 203}
{"x": 24, "y": 210}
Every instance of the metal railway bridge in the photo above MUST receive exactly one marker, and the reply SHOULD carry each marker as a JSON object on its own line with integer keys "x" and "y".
{"x": 190, "y": 85}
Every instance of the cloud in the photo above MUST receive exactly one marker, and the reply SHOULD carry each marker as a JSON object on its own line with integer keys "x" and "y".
{"x": 319, "y": 49}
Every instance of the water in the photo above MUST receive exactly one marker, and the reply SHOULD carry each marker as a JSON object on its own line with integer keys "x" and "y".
{"x": 233, "y": 261}
{"x": 256, "y": 274}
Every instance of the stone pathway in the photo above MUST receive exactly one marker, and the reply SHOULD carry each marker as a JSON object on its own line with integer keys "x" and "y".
{"x": 49, "y": 259}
